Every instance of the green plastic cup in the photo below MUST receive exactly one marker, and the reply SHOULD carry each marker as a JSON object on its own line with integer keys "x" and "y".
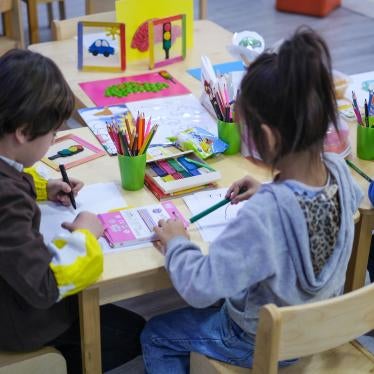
{"x": 132, "y": 171}
{"x": 365, "y": 142}
{"x": 229, "y": 132}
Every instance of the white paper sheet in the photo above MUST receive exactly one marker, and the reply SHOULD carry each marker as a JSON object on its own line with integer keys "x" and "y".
{"x": 213, "y": 224}
{"x": 96, "y": 198}
{"x": 173, "y": 115}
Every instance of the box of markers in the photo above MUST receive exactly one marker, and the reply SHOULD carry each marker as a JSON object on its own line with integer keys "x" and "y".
{"x": 180, "y": 171}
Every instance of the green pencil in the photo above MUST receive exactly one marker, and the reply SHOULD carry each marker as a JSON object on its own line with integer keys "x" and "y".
{"x": 198, "y": 163}
{"x": 209, "y": 210}
{"x": 359, "y": 171}
{"x": 214, "y": 207}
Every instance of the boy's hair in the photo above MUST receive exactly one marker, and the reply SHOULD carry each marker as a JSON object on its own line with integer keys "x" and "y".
{"x": 293, "y": 93}
{"x": 35, "y": 94}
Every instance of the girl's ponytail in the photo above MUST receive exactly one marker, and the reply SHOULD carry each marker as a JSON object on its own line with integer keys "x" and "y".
{"x": 293, "y": 93}
{"x": 304, "y": 67}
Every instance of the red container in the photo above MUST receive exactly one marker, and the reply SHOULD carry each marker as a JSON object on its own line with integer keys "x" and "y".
{"x": 319, "y": 8}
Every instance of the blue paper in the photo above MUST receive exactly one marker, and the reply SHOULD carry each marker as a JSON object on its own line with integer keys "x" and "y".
{"x": 226, "y": 67}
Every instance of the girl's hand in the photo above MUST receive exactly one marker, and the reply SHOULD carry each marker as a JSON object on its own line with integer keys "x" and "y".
{"x": 167, "y": 230}
{"x": 57, "y": 190}
{"x": 85, "y": 220}
{"x": 242, "y": 189}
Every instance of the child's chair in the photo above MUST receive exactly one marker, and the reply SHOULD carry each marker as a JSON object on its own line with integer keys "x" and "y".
{"x": 44, "y": 361}
{"x": 320, "y": 333}
{"x": 67, "y": 29}
{"x": 32, "y": 14}
{"x": 12, "y": 25}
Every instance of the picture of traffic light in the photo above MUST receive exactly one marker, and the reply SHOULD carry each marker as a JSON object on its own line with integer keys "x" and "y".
{"x": 166, "y": 38}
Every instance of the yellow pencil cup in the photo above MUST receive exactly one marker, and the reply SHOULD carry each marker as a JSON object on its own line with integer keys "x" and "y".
{"x": 229, "y": 132}
{"x": 365, "y": 142}
{"x": 132, "y": 171}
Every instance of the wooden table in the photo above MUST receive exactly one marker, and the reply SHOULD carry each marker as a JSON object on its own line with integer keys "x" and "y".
{"x": 366, "y": 224}
{"x": 128, "y": 274}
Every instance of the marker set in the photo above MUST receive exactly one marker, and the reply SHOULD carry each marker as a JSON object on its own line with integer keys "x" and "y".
{"x": 179, "y": 173}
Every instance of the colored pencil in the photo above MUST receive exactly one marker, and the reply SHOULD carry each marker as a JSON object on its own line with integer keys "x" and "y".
{"x": 358, "y": 170}
{"x": 131, "y": 142}
{"x": 147, "y": 142}
{"x": 209, "y": 210}
{"x": 214, "y": 207}
{"x": 198, "y": 163}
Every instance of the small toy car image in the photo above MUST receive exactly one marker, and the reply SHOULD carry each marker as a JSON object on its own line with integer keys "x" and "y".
{"x": 101, "y": 46}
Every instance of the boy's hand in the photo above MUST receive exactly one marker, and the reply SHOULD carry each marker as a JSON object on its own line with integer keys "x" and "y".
{"x": 167, "y": 230}
{"x": 248, "y": 185}
{"x": 85, "y": 220}
{"x": 57, "y": 190}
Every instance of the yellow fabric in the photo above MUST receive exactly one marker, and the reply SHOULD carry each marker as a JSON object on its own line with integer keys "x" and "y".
{"x": 76, "y": 264}
{"x": 40, "y": 184}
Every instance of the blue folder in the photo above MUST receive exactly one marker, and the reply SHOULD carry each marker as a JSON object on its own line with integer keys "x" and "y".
{"x": 226, "y": 67}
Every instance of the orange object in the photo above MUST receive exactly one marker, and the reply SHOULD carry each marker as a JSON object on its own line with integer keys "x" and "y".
{"x": 319, "y": 8}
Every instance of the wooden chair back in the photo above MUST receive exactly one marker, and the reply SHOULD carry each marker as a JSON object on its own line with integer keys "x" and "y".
{"x": 13, "y": 37}
{"x": 303, "y": 330}
{"x": 67, "y": 28}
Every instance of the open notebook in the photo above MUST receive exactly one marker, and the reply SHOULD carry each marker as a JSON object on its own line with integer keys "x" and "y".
{"x": 134, "y": 226}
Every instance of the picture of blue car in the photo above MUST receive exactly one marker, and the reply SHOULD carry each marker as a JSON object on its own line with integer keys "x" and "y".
{"x": 101, "y": 46}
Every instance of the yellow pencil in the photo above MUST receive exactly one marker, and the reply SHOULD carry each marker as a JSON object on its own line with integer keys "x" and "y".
{"x": 148, "y": 140}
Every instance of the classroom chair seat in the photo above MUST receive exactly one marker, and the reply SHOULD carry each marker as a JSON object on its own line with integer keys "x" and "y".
{"x": 47, "y": 360}
{"x": 321, "y": 334}
{"x": 350, "y": 358}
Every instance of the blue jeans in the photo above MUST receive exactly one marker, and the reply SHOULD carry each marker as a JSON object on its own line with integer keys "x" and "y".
{"x": 167, "y": 340}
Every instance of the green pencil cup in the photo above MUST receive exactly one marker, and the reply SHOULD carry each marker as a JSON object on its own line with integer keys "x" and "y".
{"x": 365, "y": 142}
{"x": 229, "y": 132}
{"x": 132, "y": 171}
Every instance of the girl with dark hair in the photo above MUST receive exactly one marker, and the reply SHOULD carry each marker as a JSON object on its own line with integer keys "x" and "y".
{"x": 291, "y": 241}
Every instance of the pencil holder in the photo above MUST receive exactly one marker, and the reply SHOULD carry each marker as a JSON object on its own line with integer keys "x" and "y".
{"x": 365, "y": 142}
{"x": 229, "y": 132}
{"x": 132, "y": 171}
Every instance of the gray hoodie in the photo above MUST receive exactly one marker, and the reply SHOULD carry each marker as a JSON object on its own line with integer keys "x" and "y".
{"x": 263, "y": 255}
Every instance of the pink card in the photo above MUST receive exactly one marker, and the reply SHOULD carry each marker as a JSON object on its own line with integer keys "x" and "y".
{"x": 133, "y": 88}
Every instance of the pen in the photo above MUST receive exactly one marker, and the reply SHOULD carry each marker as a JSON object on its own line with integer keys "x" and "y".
{"x": 66, "y": 180}
{"x": 209, "y": 210}
{"x": 203, "y": 165}
{"x": 366, "y": 114}
{"x": 213, "y": 207}
{"x": 358, "y": 170}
